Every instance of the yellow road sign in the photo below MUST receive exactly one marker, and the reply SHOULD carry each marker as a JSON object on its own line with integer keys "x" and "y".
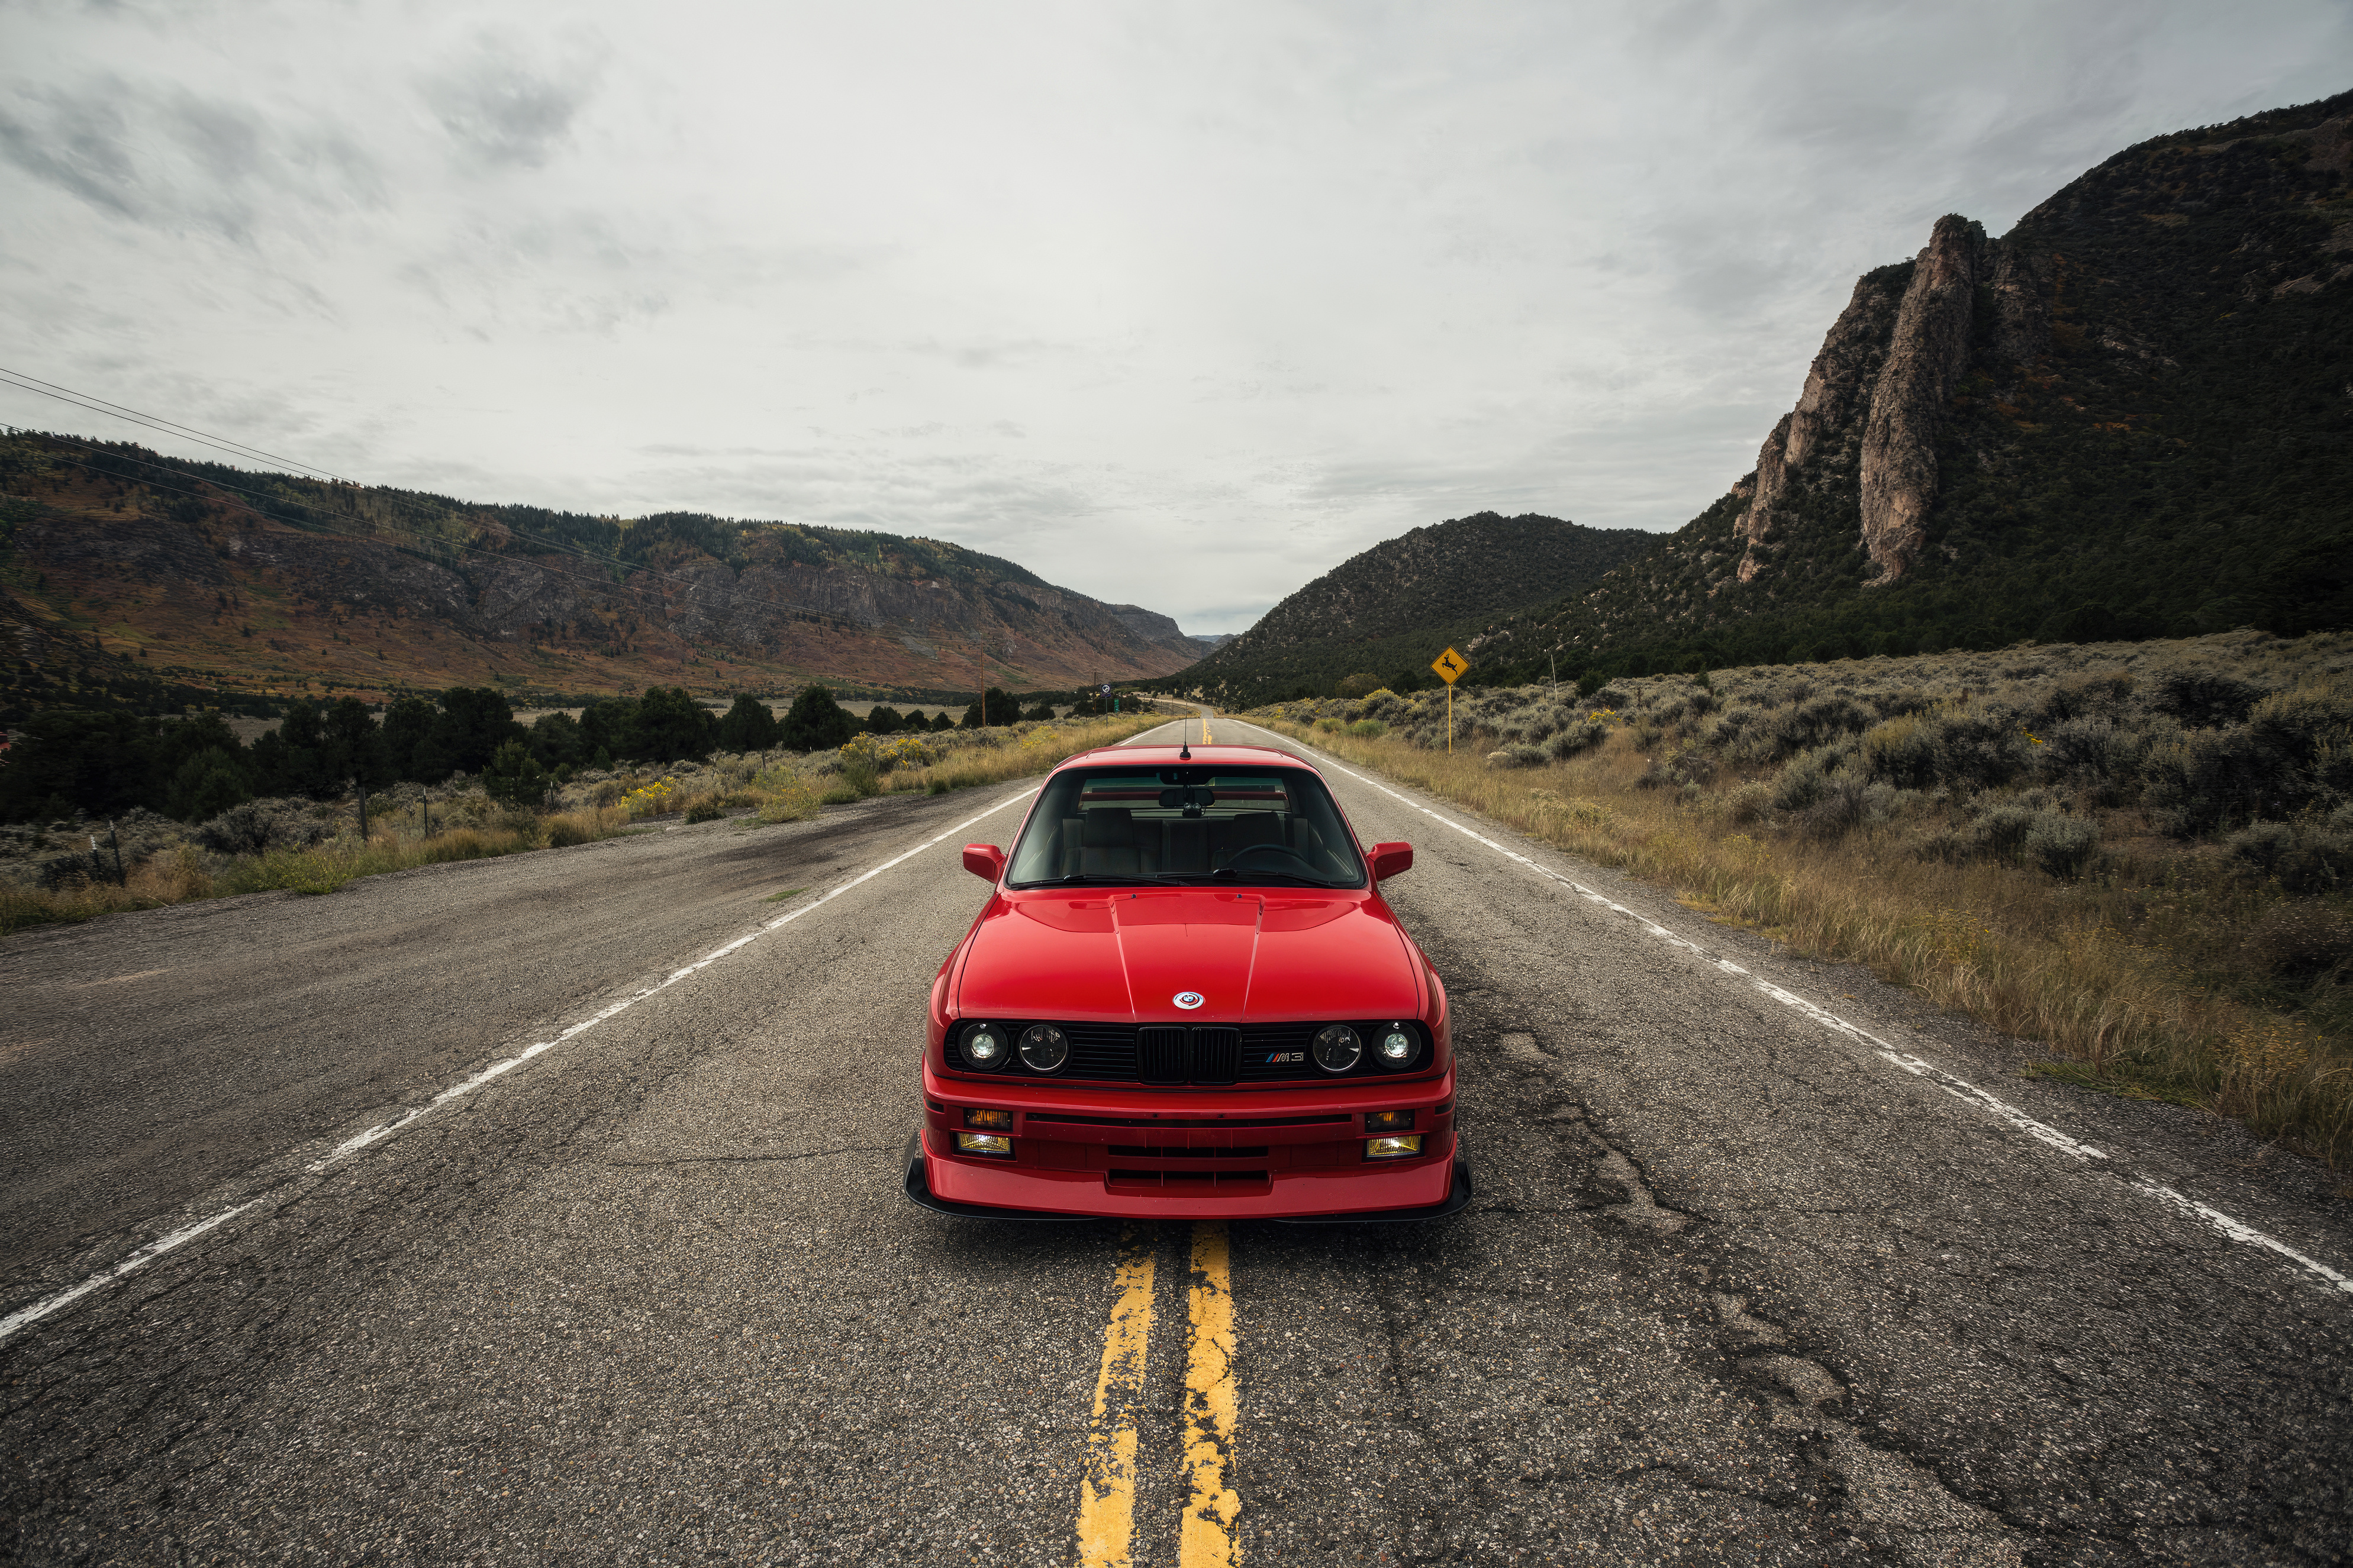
{"x": 1449, "y": 665}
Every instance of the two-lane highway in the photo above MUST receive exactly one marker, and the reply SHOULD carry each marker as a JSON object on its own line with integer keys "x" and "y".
{"x": 1739, "y": 1285}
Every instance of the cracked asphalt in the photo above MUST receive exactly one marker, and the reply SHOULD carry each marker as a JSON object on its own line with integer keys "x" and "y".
{"x": 1734, "y": 1289}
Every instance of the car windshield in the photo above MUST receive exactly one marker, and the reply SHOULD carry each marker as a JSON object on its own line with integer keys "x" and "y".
{"x": 1273, "y": 827}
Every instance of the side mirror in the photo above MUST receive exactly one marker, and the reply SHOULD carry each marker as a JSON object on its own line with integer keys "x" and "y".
{"x": 985, "y": 861}
{"x": 1389, "y": 860}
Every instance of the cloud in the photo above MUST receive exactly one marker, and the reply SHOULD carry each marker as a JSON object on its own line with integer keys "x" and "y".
{"x": 166, "y": 156}
{"x": 500, "y": 111}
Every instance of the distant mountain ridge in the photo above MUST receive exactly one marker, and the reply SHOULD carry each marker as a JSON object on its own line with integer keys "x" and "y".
{"x": 1396, "y": 605}
{"x": 2131, "y": 415}
{"x": 205, "y": 574}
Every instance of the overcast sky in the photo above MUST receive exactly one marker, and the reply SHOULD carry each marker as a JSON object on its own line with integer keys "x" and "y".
{"x": 1178, "y": 304}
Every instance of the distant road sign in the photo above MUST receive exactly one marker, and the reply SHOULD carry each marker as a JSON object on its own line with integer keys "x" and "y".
{"x": 1449, "y": 665}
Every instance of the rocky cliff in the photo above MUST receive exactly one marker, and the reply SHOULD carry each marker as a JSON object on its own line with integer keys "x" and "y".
{"x": 2127, "y": 417}
{"x": 218, "y": 577}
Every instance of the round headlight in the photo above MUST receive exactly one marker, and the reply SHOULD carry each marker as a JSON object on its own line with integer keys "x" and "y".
{"x": 1396, "y": 1046}
{"x": 1337, "y": 1048}
{"x": 985, "y": 1047}
{"x": 1044, "y": 1048}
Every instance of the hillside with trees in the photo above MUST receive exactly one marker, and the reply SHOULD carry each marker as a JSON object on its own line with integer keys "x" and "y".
{"x": 1392, "y": 607}
{"x": 151, "y": 577}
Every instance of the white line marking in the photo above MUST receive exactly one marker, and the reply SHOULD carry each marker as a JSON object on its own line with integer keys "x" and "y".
{"x": 37, "y": 1310}
{"x": 144, "y": 1256}
{"x": 1958, "y": 1087}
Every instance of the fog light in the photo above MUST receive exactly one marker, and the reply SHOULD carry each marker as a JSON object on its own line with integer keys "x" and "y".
{"x": 998, "y": 1145}
{"x": 1003, "y": 1120}
{"x": 1375, "y": 1120}
{"x": 1375, "y": 1148}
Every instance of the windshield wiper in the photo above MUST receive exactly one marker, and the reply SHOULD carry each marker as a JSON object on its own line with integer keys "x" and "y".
{"x": 1094, "y": 879}
{"x": 1257, "y": 878}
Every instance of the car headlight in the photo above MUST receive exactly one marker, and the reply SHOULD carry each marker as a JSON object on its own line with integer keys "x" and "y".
{"x": 986, "y": 1047}
{"x": 1337, "y": 1049}
{"x": 1396, "y": 1045}
{"x": 1044, "y": 1048}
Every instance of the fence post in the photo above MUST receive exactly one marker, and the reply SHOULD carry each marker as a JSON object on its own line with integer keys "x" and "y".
{"x": 116, "y": 839}
{"x": 363, "y": 814}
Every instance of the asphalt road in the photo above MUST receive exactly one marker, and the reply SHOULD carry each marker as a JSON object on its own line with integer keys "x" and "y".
{"x": 1767, "y": 1264}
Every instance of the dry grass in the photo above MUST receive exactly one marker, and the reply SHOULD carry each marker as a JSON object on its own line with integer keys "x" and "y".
{"x": 1028, "y": 751}
{"x": 783, "y": 790}
{"x": 2108, "y": 972}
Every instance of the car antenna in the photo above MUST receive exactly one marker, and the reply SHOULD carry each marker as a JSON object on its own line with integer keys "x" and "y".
{"x": 1184, "y": 751}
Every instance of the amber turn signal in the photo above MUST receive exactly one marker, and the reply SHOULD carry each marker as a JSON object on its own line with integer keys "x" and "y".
{"x": 1387, "y": 1148}
{"x": 1002, "y": 1120}
{"x": 984, "y": 1143}
{"x": 1384, "y": 1121}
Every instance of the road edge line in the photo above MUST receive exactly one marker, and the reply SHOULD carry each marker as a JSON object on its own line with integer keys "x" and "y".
{"x": 1960, "y": 1089}
{"x": 33, "y": 1312}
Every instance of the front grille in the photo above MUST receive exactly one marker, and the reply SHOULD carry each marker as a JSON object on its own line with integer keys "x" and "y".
{"x": 1160, "y": 1053}
{"x": 1154, "y": 1152}
{"x": 1171, "y": 1055}
{"x": 1215, "y": 1053}
{"x": 1219, "y": 1121}
{"x": 1102, "y": 1051}
{"x": 1265, "y": 1053}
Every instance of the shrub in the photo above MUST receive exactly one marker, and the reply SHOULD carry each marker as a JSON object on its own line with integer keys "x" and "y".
{"x": 1358, "y": 686}
{"x": 1579, "y": 735}
{"x": 2304, "y": 858}
{"x": 2061, "y": 845}
{"x": 568, "y": 829}
{"x": 259, "y": 826}
{"x": 2203, "y": 699}
{"x": 1368, "y": 729}
{"x": 705, "y": 808}
{"x": 1748, "y": 802}
{"x": 1902, "y": 751}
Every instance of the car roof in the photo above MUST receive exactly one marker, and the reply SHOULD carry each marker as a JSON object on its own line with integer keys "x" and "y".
{"x": 1199, "y": 757}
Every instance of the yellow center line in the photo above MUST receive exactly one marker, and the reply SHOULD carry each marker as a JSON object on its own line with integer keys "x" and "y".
{"x": 1204, "y": 727}
{"x": 1107, "y": 1495}
{"x": 1207, "y": 1540}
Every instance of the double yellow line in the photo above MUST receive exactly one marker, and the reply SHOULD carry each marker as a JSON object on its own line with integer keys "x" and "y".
{"x": 1107, "y": 1494}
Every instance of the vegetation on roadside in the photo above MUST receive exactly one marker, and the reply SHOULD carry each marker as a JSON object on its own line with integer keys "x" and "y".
{"x": 316, "y": 846}
{"x": 2140, "y": 856}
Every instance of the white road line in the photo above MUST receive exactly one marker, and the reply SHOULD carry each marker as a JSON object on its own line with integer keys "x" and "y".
{"x": 35, "y": 1311}
{"x": 1958, "y": 1087}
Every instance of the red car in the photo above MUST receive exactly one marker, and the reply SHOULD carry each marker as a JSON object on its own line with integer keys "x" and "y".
{"x": 1185, "y": 998}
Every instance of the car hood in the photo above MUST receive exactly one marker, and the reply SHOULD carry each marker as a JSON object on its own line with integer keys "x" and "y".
{"x": 1254, "y": 956}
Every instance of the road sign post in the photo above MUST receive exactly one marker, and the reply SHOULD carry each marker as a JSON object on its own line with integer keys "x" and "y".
{"x": 1449, "y": 665}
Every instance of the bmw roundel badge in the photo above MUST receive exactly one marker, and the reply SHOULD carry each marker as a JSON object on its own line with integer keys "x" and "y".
{"x": 1188, "y": 1000}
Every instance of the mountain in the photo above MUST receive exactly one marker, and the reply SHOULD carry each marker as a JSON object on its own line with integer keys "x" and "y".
{"x": 202, "y": 574}
{"x": 2129, "y": 416}
{"x": 1396, "y": 606}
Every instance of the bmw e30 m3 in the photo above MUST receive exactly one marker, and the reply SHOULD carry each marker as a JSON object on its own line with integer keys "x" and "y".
{"x": 1187, "y": 998}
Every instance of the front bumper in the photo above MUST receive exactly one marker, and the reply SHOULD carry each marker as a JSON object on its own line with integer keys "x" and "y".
{"x": 1099, "y": 1197}
{"x": 1293, "y": 1153}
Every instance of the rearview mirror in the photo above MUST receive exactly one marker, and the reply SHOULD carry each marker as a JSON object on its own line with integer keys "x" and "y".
{"x": 985, "y": 861}
{"x": 1389, "y": 860}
